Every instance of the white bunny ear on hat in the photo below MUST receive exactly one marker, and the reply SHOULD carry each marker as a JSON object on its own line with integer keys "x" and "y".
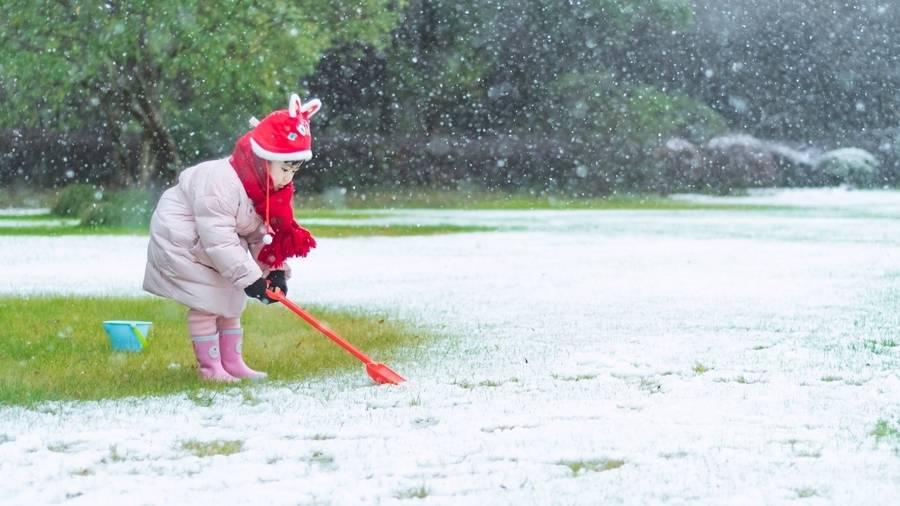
{"x": 294, "y": 105}
{"x": 311, "y": 107}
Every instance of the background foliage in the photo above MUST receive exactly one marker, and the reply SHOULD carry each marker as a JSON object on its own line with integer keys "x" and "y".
{"x": 181, "y": 76}
{"x": 583, "y": 97}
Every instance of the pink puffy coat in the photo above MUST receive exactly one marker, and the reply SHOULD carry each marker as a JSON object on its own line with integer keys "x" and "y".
{"x": 204, "y": 238}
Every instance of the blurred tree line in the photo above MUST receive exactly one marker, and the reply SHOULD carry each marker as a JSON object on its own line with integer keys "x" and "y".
{"x": 586, "y": 97}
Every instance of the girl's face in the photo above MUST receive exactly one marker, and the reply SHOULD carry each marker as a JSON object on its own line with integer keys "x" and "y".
{"x": 283, "y": 172}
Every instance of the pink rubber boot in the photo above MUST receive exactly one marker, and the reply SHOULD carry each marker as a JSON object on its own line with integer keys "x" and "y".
{"x": 206, "y": 349}
{"x": 232, "y": 360}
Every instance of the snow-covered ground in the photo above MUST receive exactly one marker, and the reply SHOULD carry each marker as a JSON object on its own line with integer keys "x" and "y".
{"x": 573, "y": 338}
{"x": 26, "y": 218}
{"x": 24, "y": 212}
{"x": 838, "y": 197}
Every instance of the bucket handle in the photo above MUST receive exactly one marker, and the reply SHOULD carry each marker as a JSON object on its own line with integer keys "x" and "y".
{"x": 140, "y": 335}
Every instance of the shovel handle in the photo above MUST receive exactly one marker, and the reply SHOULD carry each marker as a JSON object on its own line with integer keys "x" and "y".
{"x": 318, "y": 326}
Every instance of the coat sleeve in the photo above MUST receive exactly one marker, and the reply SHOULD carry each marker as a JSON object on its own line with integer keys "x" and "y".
{"x": 254, "y": 242}
{"x": 216, "y": 215}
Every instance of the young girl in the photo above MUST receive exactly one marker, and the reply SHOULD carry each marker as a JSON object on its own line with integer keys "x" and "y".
{"x": 224, "y": 231}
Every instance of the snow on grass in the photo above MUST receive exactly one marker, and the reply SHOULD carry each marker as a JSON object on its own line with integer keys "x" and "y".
{"x": 838, "y": 197}
{"x": 32, "y": 223}
{"x": 21, "y": 211}
{"x": 29, "y": 218}
{"x": 570, "y": 371}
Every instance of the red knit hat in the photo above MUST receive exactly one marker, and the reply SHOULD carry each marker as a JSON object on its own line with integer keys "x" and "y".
{"x": 285, "y": 135}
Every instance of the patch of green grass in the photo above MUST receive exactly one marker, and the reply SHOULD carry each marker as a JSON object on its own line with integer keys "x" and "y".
{"x": 484, "y": 383}
{"x": 806, "y": 492}
{"x": 56, "y": 231}
{"x": 577, "y": 377}
{"x": 29, "y": 217}
{"x": 202, "y": 398}
{"x": 583, "y": 466}
{"x": 305, "y": 213}
{"x": 211, "y": 448}
{"x": 360, "y": 206}
{"x": 391, "y": 230}
{"x": 884, "y": 429}
{"x": 740, "y": 379}
{"x": 413, "y": 493}
{"x": 498, "y": 428}
{"x": 422, "y": 198}
{"x": 876, "y": 346}
{"x": 700, "y": 368}
{"x": 54, "y": 348}
{"x": 425, "y": 422}
{"x": 250, "y": 399}
{"x": 321, "y": 458}
{"x": 114, "y": 456}
{"x": 60, "y": 447}
{"x": 650, "y": 384}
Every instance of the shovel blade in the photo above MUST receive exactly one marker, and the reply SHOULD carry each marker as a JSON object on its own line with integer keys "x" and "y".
{"x": 382, "y": 374}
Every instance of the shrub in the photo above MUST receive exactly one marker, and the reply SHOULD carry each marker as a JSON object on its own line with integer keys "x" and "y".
{"x": 851, "y": 166}
{"x": 677, "y": 165}
{"x": 737, "y": 161}
{"x": 127, "y": 208}
{"x": 609, "y": 130}
{"x": 730, "y": 162}
{"x": 74, "y": 199}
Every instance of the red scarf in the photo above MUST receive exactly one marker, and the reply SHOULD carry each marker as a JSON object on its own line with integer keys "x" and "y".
{"x": 289, "y": 238}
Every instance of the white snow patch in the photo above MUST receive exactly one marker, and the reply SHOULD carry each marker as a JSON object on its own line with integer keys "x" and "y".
{"x": 830, "y": 197}
{"x": 6, "y": 223}
{"x": 19, "y": 211}
{"x": 571, "y": 340}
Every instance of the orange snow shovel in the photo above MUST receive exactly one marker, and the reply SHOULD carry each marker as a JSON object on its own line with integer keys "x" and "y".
{"x": 380, "y": 373}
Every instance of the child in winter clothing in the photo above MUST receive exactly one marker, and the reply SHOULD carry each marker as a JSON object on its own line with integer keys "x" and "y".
{"x": 223, "y": 234}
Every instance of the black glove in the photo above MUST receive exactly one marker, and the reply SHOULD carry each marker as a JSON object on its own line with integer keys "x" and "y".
{"x": 277, "y": 280}
{"x": 258, "y": 291}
